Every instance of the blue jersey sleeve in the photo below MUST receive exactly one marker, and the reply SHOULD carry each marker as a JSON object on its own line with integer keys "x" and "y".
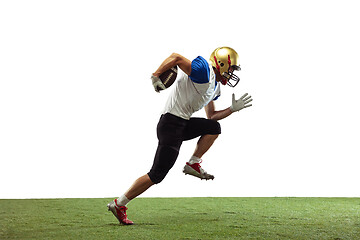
{"x": 200, "y": 72}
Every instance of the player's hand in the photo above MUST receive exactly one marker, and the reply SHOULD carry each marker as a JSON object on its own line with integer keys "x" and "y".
{"x": 157, "y": 83}
{"x": 241, "y": 103}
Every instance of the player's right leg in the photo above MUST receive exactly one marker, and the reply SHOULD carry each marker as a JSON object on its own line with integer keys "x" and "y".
{"x": 170, "y": 130}
{"x": 119, "y": 212}
{"x": 118, "y": 206}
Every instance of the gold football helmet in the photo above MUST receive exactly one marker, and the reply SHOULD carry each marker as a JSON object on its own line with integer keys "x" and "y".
{"x": 226, "y": 60}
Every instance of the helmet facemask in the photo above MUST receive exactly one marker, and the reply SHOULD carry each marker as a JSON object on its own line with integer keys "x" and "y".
{"x": 228, "y": 77}
{"x": 231, "y": 79}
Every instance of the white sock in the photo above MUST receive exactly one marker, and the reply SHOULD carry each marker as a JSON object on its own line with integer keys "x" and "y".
{"x": 194, "y": 159}
{"x": 123, "y": 200}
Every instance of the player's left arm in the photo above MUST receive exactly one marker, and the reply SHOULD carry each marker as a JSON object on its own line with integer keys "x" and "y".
{"x": 236, "y": 106}
{"x": 211, "y": 113}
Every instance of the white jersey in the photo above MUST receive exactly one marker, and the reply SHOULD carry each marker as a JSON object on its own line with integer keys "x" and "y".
{"x": 192, "y": 93}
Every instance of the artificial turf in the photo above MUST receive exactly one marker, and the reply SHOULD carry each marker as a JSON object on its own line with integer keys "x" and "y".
{"x": 183, "y": 218}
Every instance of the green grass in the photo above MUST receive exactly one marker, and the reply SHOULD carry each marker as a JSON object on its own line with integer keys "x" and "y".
{"x": 183, "y": 218}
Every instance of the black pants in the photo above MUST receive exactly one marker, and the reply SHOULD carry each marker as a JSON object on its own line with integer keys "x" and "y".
{"x": 171, "y": 132}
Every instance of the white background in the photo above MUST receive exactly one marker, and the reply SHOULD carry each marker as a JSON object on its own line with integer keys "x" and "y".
{"x": 78, "y": 112}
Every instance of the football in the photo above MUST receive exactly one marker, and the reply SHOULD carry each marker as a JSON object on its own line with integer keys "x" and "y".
{"x": 168, "y": 77}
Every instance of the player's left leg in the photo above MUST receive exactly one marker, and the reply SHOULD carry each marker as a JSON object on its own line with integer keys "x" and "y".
{"x": 193, "y": 167}
{"x": 209, "y": 130}
{"x": 204, "y": 144}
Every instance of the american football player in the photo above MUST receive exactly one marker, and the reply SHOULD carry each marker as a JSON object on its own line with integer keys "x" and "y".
{"x": 197, "y": 86}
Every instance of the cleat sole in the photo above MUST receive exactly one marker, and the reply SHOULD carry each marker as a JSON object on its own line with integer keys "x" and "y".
{"x": 190, "y": 171}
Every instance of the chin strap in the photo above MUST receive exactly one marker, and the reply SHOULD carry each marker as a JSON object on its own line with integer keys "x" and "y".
{"x": 229, "y": 62}
{"x": 222, "y": 79}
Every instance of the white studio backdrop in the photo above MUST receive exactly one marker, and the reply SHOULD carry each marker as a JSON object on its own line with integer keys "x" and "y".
{"x": 78, "y": 113}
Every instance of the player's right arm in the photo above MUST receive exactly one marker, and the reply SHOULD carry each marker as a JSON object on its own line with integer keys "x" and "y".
{"x": 173, "y": 60}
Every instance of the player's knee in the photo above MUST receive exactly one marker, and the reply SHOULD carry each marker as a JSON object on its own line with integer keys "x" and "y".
{"x": 156, "y": 177}
{"x": 216, "y": 128}
{"x": 165, "y": 158}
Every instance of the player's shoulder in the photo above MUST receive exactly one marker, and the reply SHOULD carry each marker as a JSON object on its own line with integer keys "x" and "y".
{"x": 200, "y": 70}
{"x": 199, "y": 61}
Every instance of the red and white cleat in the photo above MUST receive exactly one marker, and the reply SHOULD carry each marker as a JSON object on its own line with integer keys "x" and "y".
{"x": 119, "y": 212}
{"x": 197, "y": 171}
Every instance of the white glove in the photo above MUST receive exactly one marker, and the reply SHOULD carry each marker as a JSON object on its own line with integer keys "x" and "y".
{"x": 241, "y": 103}
{"x": 157, "y": 83}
